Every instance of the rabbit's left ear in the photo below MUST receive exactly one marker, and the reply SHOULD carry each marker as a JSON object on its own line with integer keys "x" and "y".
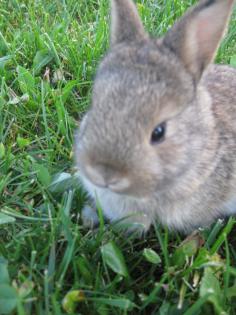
{"x": 196, "y": 37}
{"x": 126, "y": 25}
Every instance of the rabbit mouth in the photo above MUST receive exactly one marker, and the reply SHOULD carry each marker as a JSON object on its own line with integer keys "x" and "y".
{"x": 115, "y": 186}
{"x": 119, "y": 189}
{"x": 103, "y": 177}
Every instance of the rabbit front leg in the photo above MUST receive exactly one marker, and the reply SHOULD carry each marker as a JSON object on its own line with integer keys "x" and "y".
{"x": 138, "y": 223}
{"x": 89, "y": 216}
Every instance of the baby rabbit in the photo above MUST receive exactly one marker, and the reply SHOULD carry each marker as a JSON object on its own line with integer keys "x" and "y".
{"x": 159, "y": 142}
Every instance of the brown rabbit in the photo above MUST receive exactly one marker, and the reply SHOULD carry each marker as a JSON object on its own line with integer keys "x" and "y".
{"x": 159, "y": 142}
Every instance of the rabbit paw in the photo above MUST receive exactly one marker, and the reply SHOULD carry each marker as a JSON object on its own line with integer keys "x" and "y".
{"x": 135, "y": 225}
{"x": 89, "y": 217}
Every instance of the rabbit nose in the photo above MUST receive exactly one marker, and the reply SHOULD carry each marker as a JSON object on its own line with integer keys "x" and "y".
{"x": 107, "y": 176}
{"x": 119, "y": 185}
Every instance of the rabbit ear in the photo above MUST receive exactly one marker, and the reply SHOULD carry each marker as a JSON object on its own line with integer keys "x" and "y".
{"x": 195, "y": 38}
{"x": 126, "y": 24}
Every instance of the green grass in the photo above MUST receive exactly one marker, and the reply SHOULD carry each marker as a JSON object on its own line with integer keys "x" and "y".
{"x": 50, "y": 264}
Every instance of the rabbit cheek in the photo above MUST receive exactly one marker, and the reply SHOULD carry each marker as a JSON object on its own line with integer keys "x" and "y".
{"x": 170, "y": 161}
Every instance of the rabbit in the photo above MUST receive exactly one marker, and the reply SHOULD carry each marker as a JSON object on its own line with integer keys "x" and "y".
{"x": 159, "y": 141}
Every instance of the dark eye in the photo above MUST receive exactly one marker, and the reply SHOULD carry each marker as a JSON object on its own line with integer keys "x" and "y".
{"x": 158, "y": 134}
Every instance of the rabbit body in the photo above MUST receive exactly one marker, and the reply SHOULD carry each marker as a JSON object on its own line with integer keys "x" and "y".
{"x": 186, "y": 178}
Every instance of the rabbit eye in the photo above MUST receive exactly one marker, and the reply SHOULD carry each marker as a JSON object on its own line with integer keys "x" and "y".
{"x": 158, "y": 134}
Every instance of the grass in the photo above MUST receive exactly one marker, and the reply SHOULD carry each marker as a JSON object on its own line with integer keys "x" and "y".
{"x": 50, "y": 264}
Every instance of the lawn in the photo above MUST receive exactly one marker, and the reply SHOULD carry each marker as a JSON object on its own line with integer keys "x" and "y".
{"x": 49, "y": 263}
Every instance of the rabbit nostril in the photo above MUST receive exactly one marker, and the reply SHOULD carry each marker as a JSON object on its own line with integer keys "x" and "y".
{"x": 95, "y": 176}
{"x": 107, "y": 177}
{"x": 119, "y": 185}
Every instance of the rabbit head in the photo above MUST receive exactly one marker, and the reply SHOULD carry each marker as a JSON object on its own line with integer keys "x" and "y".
{"x": 149, "y": 116}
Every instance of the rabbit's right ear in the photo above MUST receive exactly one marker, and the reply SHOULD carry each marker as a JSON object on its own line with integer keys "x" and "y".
{"x": 196, "y": 37}
{"x": 126, "y": 25}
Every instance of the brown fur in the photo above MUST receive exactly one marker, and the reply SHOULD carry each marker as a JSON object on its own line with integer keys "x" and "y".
{"x": 189, "y": 179}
